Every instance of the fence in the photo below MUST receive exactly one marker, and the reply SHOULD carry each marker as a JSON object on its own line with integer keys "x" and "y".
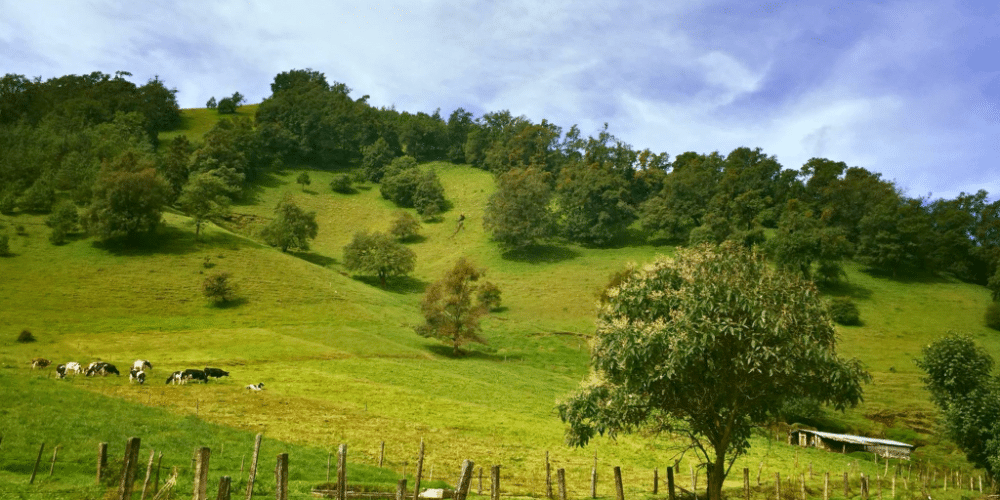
{"x": 888, "y": 481}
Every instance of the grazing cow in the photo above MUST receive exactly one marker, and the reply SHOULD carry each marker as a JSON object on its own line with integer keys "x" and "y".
{"x": 216, "y": 372}
{"x": 71, "y": 367}
{"x": 194, "y": 374}
{"x": 40, "y": 363}
{"x": 257, "y": 387}
{"x": 137, "y": 376}
{"x": 142, "y": 365}
{"x": 174, "y": 378}
{"x": 103, "y": 369}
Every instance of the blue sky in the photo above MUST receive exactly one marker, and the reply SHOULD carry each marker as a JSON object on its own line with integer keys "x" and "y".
{"x": 908, "y": 89}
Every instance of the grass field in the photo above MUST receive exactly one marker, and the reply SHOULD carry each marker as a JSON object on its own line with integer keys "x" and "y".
{"x": 342, "y": 363}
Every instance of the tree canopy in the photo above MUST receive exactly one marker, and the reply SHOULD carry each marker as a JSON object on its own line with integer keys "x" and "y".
{"x": 452, "y": 308}
{"x": 292, "y": 227}
{"x": 708, "y": 344}
{"x": 379, "y": 254}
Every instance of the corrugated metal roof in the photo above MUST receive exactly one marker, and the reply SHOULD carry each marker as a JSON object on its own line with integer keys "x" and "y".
{"x": 856, "y": 439}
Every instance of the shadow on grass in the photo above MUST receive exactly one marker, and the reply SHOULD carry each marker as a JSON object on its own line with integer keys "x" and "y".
{"x": 315, "y": 258}
{"x": 168, "y": 240}
{"x": 402, "y": 285}
{"x": 907, "y": 277}
{"x": 417, "y": 238}
{"x": 447, "y": 351}
{"x": 231, "y": 304}
{"x": 262, "y": 182}
{"x": 540, "y": 254}
{"x": 844, "y": 289}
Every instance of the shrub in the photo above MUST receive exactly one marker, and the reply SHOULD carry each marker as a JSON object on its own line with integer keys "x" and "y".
{"x": 25, "y": 336}
{"x": 843, "y": 311}
{"x": 993, "y": 315}
{"x": 489, "y": 296}
{"x": 405, "y": 226}
{"x": 20, "y": 230}
{"x": 4, "y": 245}
{"x": 341, "y": 183}
{"x": 218, "y": 288}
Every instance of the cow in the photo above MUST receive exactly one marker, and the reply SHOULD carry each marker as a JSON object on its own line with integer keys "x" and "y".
{"x": 194, "y": 374}
{"x": 142, "y": 365}
{"x": 216, "y": 372}
{"x": 71, "y": 367}
{"x": 174, "y": 378}
{"x": 40, "y": 363}
{"x": 101, "y": 368}
{"x": 257, "y": 387}
{"x": 137, "y": 376}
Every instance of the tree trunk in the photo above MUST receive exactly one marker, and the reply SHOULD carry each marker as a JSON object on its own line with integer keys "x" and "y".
{"x": 716, "y": 475}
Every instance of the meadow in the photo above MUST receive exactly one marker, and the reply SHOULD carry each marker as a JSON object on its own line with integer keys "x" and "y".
{"x": 342, "y": 364}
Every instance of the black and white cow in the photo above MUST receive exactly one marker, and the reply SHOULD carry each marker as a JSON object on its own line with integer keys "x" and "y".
{"x": 71, "y": 367}
{"x": 216, "y": 372}
{"x": 137, "y": 376}
{"x": 142, "y": 365}
{"x": 174, "y": 378}
{"x": 194, "y": 374}
{"x": 101, "y": 368}
{"x": 256, "y": 387}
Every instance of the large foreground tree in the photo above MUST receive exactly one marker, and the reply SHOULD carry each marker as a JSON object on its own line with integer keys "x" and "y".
{"x": 708, "y": 344}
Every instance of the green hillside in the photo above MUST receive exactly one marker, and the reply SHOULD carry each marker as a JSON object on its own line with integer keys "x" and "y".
{"x": 340, "y": 358}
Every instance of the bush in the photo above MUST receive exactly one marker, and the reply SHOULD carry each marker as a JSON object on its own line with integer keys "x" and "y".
{"x": 843, "y": 311}
{"x": 4, "y": 245}
{"x": 25, "y": 336}
{"x": 218, "y": 288}
{"x": 489, "y": 296}
{"x": 405, "y": 227}
{"x": 341, "y": 183}
{"x": 993, "y": 315}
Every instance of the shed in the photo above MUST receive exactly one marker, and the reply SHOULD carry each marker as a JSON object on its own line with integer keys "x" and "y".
{"x": 846, "y": 443}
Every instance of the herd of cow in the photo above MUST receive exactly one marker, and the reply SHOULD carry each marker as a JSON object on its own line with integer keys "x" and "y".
{"x": 138, "y": 372}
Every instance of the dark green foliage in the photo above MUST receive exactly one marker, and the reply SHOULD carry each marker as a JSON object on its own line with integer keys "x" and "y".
{"x": 961, "y": 385}
{"x": 380, "y": 255}
{"x": 173, "y": 163}
{"x": 594, "y": 204}
{"x": 894, "y": 235}
{"x": 459, "y": 125}
{"x": 688, "y": 345}
{"x": 205, "y": 196}
{"x": 682, "y": 203}
{"x": 8, "y": 201}
{"x": 128, "y": 198}
{"x": 4, "y": 245}
{"x": 25, "y": 336}
{"x": 992, "y": 316}
{"x": 63, "y": 220}
{"x": 292, "y": 227}
{"x": 39, "y": 198}
{"x": 304, "y": 180}
{"x": 428, "y": 197}
{"x": 489, "y": 296}
{"x": 423, "y": 136}
{"x": 211, "y": 104}
{"x": 229, "y": 105}
{"x": 803, "y": 410}
{"x": 218, "y": 288}
{"x": 844, "y": 311}
{"x": 400, "y": 181}
{"x": 518, "y": 213}
{"x": 802, "y": 240}
{"x": 404, "y": 226}
{"x": 451, "y": 309}
{"x": 341, "y": 183}
{"x": 375, "y": 158}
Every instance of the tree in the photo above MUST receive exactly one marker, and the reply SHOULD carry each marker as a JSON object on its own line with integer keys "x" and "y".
{"x": 291, "y": 228}
{"x": 451, "y": 307}
{"x": 682, "y": 203}
{"x": 378, "y": 254}
{"x": 708, "y": 344}
{"x": 63, "y": 220}
{"x": 405, "y": 226}
{"x": 341, "y": 183}
{"x": 375, "y": 158}
{"x": 960, "y": 383}
{"x": 304, "y": 180}
{"x": 428, "y": 196}
{"x": 594, "y": 203}
{"x": 211, "y": 104}
{"x": 802, "y": 240}
{"x": 218, "y": 288}
{"x": 128, "y": 198}
{"x": 518, "y": 213}
{"x": 205, "y": 196}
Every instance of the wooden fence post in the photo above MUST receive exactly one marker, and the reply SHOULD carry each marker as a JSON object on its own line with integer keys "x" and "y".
{"x": 381, "y": 454}
{"x": 777, "y": 485}
{"x": 464, "y": 480}
{"x": 224, "y": 483}
{"x": 593, "y": 479}
{"x": 329, "y": 457}
{"x": 619, "y": 491}
{"x": 200, "y": 486}
{"x": 149, "y": 475}
{"x": 670, "y": 483}
{"x": 156, "y": 479}
{"x": 55, "y": 451}
{"x": 128, "y": 469}
{"x": 548, "y": 477}
{"x": 102, "y": 459}
{"x": 746, "y": 483}
{"x": 480, "y": 490}
{"x": 342, "y": 472}
{"x": 281, "y": 477}
{"x": 847, "y": 486}
{"x": 802, "y": 482}
{"x": 826, "y": 486}
{"x": 495, "y": 482}
{"x": 420, "y": 470}
{"x": 656, "y": 480}
{"x": 561, "y": 476}
{"x": 694, "y": 480}
{"x": 253, "y": 465}
{"x": 401, "y": 489}
{"x": 37, "y": 461}
{"x": 759, "y": 470}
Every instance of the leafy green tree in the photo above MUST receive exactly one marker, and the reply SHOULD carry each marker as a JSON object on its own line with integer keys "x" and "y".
{"x": 405, "y": 226}
{"x": 459, "y": 125}
{"x": 379, "y": 254}
{"x": 4, "y": 245}
{"x": 174, "y": 163}
{"x": 400, "y": 181}
{"x": 594, "y": 204}
{"x": 218, "y": 288}
{"x": 708, "y": 344}
{"x": 204, "y": 197}
{"x": 961, "y": 386}
{"x": 518, "y": 213}
{"x": 423, "y": 136}
{"x": 63, "y": 220}
{"x": 128, "y": 198}
{"x": 39, "y": 198}
{"x": 341, "y": 183}
{"x": 451, "y": 310}
{"x": 428, "y": 197}
{"x": 292, "y": 227}
{"x": 489, "y": 295}
{"x": 894, "y": 236}
{"x": 211, "y": 104}
{"x": 682, "y": 203}
{"x": 802, "y": 240}
{"x": 375, "y": 158}
{"x": 304, "y": 180}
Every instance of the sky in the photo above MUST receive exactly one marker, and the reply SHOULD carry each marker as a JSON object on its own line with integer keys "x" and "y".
{"x": 909, "y": 89}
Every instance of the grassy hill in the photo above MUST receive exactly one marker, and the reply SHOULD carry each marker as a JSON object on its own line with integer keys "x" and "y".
{"x": 342, "y": 363}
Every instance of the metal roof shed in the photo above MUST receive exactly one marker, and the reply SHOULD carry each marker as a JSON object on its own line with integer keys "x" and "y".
{"x": 846, "y": 443}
